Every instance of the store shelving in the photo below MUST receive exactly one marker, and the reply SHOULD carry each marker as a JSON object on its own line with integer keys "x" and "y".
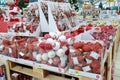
{"x": 37, "y": 70}
{"x": 41, "y": 73}
{"x": 22, "y": 70}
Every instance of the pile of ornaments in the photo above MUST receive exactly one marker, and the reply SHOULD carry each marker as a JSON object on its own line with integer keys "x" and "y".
{"x": 44, "y": 8}
{"x": 62, "y": 22}
{"x": 105, "y": 33}
{"x": 59, "y": 48}
{"x": 23, "y": 27}
{"x": 86, "y": 56}
{"x": 32, "y": 13}
{"x": 79, "y": 30}
{"x": 54, "y": 49}
{"x": 20, "y": 47}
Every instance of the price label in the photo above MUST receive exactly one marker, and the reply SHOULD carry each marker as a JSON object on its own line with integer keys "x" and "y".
{"x": 94, "y": 55}
{"x": 75, "y": 60}
{"x": 77, "y": 72}
{"x": 111, "y": 0}
{"x": 21, "y": 53}
{"x": 40, "y": 66}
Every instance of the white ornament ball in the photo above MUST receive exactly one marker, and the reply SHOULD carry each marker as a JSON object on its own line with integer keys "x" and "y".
{"x": 70, "y": 41}
{"x": 51, "y": 54}
{"x": 50, "y": 40}
{"x": 59, "y": 33}
{"x": 62, "y": 38}
{"x": 65, "y": 48}
{"x": 1, "y": 47}
{"x": 50, "y": 61}
{"x": 45, "y": 57}
{"x": 39, "y": 41}
{"x": 34, "y": 54}
{"x": 39, "y": 57}
{"x": 56, "y": 46}
{"x": 72, "y": 50}
{"x": 52, "y": 34}
{"x": 60, "y": 53}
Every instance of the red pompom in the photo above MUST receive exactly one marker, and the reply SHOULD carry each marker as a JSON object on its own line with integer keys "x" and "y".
{"x": 67, "y": 34}
{"x": 42, "y": 45}
{"x": 80, "y": 58}
{"x": 71, "y": 62}
{"x": 48, "y": 46}
{"x": 78, "y": 45}
{"x": 77, "y": 68}
{"x": 6, "y": 42}
{"x": 86, "y": 48}
{"x": 96, "y": 66}
{"x": 56, "y": 61}
{"x": 63, "y": 43}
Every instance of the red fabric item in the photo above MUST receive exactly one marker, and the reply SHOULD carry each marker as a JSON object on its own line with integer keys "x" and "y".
{"x": 1, "y": 70}
{"x": 27, "y": 1}
{"x": 13, "y": 13}
{"x": 17, "y": 2}
{"x": 3, "y": 27}
{"x": 14, "y": 20}
{"x": 1, "y": 17}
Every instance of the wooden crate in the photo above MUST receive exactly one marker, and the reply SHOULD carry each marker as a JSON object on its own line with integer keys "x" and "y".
{"x": 5, "y": 62}
{"x": 85, "y": 78}
{"x": 116, "y": 43}
{"x": 53, "y": 77}
{"x": 40, "y": 73}
{"x": 109, "y": 66}
{"x": 30, "y": 70}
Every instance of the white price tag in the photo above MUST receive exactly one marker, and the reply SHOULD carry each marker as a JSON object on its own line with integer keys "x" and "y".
{"x": 1, "y": 47}
{"x": 94, "y": 55}
{"x": 88, "y": 18}
{"x": 21, "y": 53}
{"x": 34, "y": 54}
{"x": 10, "y": 50}
{"x": 50, "y": 61}
{"x": 72, "y": 50}
{"x": 77, "y": 72}
{"x": 75, "y": 60}
{"x": 40, "y": 66}
{"x": 110, "y": 37}
{"x": 88, "y": 61}
{"x": 81, "y": 18}
{"x": 87, "y": 68}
